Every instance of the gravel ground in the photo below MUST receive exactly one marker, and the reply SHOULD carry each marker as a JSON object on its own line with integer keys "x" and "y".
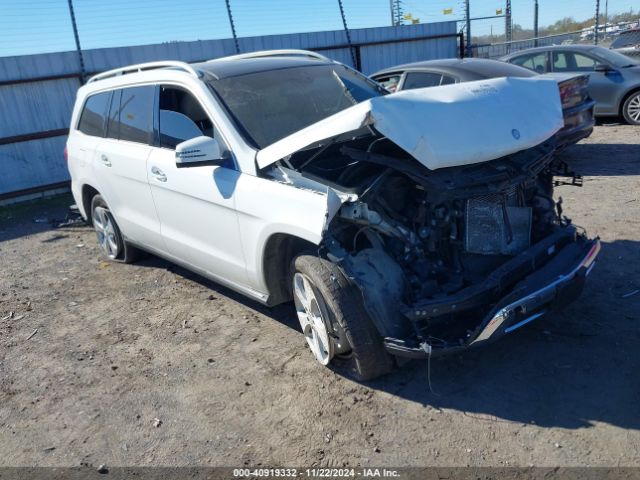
{"x": 148, "y": 364}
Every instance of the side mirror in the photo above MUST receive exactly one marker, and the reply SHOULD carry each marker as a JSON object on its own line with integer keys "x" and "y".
{"x": 198, "y": 152}
{"x": 603, "y": 67}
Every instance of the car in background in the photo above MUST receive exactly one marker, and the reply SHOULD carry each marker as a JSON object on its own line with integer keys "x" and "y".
{"x": 614, "y": 79}
{"x": 577, "y": 106}
{"x": 627, "y": 43}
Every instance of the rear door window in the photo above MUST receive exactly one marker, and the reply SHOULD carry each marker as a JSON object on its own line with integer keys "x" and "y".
{"x": 113, "y": 122}
{"x": 136, "y": 114}
{"x": 131, "y": 115}
{"x": 92, "y": 119}
{"x": 390, "y": 82}
{"x": 421, "y": 80}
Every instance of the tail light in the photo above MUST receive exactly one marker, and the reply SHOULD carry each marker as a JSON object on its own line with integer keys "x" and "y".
{"x": 66, "y": 154}
{"x": 573, "y": 91}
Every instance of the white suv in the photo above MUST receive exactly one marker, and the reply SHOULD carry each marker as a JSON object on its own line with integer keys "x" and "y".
{"x": 286, "y": 175}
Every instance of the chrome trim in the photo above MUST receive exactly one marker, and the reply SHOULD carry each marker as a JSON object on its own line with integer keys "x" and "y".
{"x": 524, "y": 322}
{"x": 501, "y": 315}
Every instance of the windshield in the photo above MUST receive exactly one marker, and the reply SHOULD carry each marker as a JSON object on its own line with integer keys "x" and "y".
{"x": 626, "y": 38}
{"x": 272, "y": 104}
{"x": 614, "y": 58}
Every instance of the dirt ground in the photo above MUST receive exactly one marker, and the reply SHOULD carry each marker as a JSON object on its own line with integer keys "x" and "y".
{"x": 148, "y": 364}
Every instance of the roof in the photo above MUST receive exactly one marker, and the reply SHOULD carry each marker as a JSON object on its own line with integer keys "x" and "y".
{"x": 575, "y": 48}
{"x": 233, "y": 67}
{"x": 467, "y": 68}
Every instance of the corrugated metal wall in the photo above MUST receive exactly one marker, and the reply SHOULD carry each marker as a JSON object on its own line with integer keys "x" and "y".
{"x": 32, "y": 107}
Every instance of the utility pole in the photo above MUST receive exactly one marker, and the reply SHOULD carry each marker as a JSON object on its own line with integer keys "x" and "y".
{"x": 77, "y": 37}
{"x": 467, "y": 17}
{"x": 233, "y": 27}
{"x": 535, "y": 23}
{"x": 346, "y": 31}
{"x": 597, "y": 25}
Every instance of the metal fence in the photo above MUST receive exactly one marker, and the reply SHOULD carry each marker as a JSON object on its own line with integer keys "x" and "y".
{"x": 37, "y": 92}
{"x": 587, "y": 36}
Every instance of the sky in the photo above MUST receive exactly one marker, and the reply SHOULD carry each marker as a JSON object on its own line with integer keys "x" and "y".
{"x": 38, "y": 26}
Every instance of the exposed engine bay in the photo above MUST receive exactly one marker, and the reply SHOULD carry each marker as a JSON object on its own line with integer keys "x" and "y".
{"x": 427, "y": 247}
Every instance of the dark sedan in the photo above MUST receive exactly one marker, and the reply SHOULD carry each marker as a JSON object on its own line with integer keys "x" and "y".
{"x": 576, "y": 104}
{"x": 614, "y": 79}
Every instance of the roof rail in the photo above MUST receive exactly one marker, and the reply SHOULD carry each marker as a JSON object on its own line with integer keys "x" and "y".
{"x": 144, "y": 66}
{"x": 274, "y": 53}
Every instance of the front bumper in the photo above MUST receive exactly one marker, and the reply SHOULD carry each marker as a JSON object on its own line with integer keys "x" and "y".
{"x": 553, "y": 286}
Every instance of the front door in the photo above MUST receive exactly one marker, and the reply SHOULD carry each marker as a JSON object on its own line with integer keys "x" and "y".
{"x": 195, "y": 205}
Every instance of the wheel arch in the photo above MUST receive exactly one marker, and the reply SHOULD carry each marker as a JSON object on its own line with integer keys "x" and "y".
{"x": 88, "y": 192}
{"x": 279, "y": 251}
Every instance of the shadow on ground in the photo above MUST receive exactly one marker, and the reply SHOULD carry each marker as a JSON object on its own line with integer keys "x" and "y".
{"x": 589, "y": 159}
{"x": 568, "y": 369}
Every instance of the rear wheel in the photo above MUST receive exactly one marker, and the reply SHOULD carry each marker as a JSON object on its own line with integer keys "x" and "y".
{"x": 334, "y": 322}
{"x": 631, "y": 109}
{"x": 109, "y": 236}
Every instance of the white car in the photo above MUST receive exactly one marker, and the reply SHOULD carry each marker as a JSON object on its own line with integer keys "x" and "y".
{"x": 402, "y": 225}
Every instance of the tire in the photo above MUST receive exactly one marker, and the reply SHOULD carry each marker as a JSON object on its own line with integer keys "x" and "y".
{"x": 110, "y": 238}
{"x": 631, "y": 109}
{"x": 354, "y": 346}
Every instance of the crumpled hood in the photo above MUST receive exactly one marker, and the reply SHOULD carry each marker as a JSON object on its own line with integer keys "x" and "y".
{"x": 446, "y": 126}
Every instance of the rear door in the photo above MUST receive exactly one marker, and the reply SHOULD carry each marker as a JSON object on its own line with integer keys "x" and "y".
{"x": 195, "y": 205}
{"x": 121, "y": 165}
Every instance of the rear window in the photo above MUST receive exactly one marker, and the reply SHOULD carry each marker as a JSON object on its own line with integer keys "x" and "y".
{"x": 93, "y": 115}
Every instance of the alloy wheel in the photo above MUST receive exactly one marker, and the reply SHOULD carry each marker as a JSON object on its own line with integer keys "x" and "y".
{"x": 311, "y": 317}
{"x": 106, "y": 231}
{"x": 633, "y": 108}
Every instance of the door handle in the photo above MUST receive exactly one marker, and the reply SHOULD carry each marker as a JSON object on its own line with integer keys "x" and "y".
{"x": 105, "y": 160}
{"x": 158, "y": 174}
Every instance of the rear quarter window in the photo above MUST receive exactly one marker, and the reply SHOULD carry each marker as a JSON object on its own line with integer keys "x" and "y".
{"x": 92, "y": 118}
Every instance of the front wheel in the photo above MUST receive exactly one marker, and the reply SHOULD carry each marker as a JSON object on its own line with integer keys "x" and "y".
{"x": 631, "y": 109}
{"x": 335, "y": 324}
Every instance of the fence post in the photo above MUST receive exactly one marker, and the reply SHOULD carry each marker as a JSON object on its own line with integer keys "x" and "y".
{"x": 77, "y": 38}
{"x": 354, "y": 57}
{"x": 595, "y": 37}
{"x": 535, "y": 23}
{"x": 467, "y": 15}
{"x": 233, "y": 27}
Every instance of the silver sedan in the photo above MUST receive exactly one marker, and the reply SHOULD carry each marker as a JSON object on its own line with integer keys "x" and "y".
{"x": 614, "y": 79}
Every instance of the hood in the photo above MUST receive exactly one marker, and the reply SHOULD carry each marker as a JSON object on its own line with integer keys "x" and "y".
{"x": 445, "y": 126}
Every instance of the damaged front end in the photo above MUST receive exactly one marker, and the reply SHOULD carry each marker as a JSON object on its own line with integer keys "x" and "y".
{"x": 449, "y": 255}
{"x": 458, "y": 256}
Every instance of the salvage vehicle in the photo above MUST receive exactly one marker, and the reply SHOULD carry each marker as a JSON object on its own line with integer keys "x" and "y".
{"x": 614, "y": 79}
{"x": 577, "y": 106}
{"x": 401, "y": 225}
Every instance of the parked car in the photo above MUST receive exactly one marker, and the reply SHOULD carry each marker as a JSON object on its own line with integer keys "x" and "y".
{"x": 577, "y": 106}
{"x": 411, "y": 224}
{"x": 627, "y": 43}
{"x": 614, "y": 79}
